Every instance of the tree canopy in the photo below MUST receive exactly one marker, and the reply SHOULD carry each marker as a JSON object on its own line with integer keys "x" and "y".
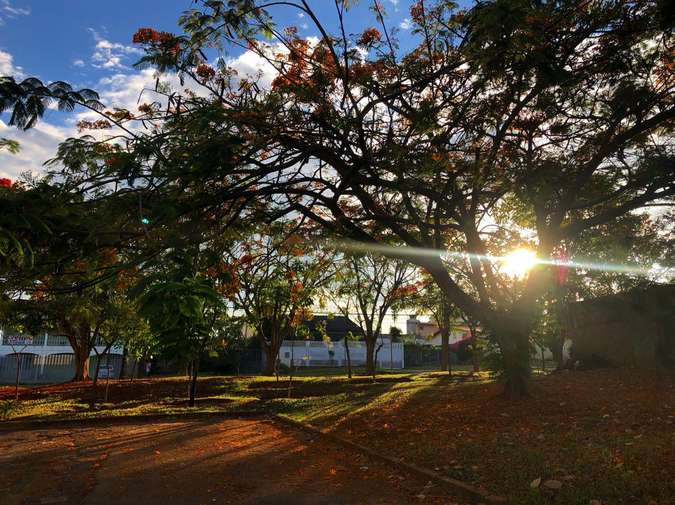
{"x": 510, "y": 123}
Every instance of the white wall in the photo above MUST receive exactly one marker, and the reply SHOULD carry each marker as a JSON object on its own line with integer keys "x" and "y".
{"x": 312, "y": 353}
{"x": 44, "y": 345}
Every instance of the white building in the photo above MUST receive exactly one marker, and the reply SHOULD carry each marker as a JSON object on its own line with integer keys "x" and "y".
{"x": 333, "y": 353}
{"x": 47, "y": 358}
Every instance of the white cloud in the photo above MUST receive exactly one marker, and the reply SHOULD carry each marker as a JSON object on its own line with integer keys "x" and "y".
{"x": 37, "y": 146}
{"x": 111, "y": 55}
{"x": 8, "y": 11}
{"x": 301, "y": 15}
{"x": 122, "y": 89}
{"x": 7, "y": 66}
{"x": 78, "y": 63}
{"x": 405, "y": 24}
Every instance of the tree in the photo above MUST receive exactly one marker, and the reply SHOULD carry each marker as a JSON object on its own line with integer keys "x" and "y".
{"x": 431, "y": 299}
{"x": 78, "y": 303}
{"x": 122, "y": 325}
{"x": 556, "y": 116}
{"x": 278, "y": 275}
{"x": 369, "y": 286}
{"x": 186, "y": 312}
{"x": 519, "y": 123}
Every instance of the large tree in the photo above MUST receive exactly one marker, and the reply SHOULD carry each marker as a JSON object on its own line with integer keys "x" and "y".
{"x": 511, "y": 122}
{"x": 556, "y": 116}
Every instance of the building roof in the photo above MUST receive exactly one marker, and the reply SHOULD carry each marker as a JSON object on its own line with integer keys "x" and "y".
{"x": 336, "y": 327}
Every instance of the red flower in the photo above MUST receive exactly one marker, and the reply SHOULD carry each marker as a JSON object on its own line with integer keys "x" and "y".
{"x": 205, "y": 72}
{"x": 369, "y": 36}
{"x": 417, "y": 12}
{"x": 5, "y": 183}
{"x": 144, "y": 35}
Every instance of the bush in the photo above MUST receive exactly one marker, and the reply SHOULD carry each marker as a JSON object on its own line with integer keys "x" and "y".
{"x": 8, "y": 408}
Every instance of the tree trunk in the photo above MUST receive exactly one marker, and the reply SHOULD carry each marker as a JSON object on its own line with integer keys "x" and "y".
{"x": 370, "y": 356}
{"x": 445, "y": 350}
{"x": 349, "y": 358}
{"x": 558, "y": 351}
{"x": 97, "y": 369}
{"x": 543, "y": 358}
{"x": 445, "y": 336}
{"x": 271, "y": 351}
{"x": 18, "y": 375}
{"x": 81, "y": 362}
{"x": 475, "y": 358}
{"x": 514, "y": 344}
{"x": 134, "y": 368}
{"x": 194, "y": 369}
{"x": 123, "y": 364}
{"x": 290, "y": 371}
{"x": 107, "y": 377}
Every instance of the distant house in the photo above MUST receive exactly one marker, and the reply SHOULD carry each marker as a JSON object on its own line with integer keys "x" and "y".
{"x": 632, "y": 328}
{"x": 429, "y": 333}
{"x": 314, "y": 351}
{"x": 336, "y": 327}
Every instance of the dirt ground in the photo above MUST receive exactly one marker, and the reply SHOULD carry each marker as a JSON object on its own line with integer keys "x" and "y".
{"x": 200, "y": 462}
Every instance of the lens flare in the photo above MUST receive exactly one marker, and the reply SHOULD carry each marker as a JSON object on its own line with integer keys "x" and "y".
{"x": 518, "y": 263}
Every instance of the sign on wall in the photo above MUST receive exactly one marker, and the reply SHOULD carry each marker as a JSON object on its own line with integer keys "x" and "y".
{"x": 17, "y": 340}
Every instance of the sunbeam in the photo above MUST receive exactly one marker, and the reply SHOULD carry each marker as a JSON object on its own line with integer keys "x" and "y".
{"x": 509, "y": 261}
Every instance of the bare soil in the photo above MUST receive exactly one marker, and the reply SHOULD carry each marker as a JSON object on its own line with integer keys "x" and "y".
{"x": 235, "y": 461}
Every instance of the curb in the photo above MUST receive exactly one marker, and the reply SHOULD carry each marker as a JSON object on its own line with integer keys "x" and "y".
{"x": 474, "y": 493}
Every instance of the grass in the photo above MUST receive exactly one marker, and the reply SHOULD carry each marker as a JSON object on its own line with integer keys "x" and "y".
{"x": 319, "y": 396}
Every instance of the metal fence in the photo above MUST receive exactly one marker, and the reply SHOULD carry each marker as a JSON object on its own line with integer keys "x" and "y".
{"x": 36, "y": 369}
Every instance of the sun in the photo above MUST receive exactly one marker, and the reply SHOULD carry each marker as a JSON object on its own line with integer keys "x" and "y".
{"x": 519, "y": 262}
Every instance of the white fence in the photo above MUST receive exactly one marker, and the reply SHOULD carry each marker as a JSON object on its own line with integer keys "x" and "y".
{"x": 38, "y": 369}
{"x": 312, "y": 353}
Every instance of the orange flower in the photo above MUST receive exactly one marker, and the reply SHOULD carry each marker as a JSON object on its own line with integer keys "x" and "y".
{"x": 370, "y": 36}
{"x": 144, "y": 35}
{"x": 417, "y": 12}
{"x": 205, "y": 72}
{"x": 246, "y": 258}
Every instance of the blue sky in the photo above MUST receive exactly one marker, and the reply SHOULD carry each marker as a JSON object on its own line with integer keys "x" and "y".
{"x": 88, "y": 43}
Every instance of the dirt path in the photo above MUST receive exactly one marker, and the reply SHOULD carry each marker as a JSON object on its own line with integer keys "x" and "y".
{"x": 195, "y": 462}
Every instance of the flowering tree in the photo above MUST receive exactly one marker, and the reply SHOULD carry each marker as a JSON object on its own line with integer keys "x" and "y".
{"x": 278, "y": 276}
{"x": 508, "y": 123}
{"x": 83, "y": 303}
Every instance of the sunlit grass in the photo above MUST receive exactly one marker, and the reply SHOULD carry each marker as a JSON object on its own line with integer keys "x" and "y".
{"x": 316, "y": 396}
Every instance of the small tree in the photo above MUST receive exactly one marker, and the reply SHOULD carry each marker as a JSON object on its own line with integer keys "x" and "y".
{"x": 431, "y": 300}
{"x": 186, "y": 313}
{"x": 370, "y": 286}
{"x": 278, "y": 273}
